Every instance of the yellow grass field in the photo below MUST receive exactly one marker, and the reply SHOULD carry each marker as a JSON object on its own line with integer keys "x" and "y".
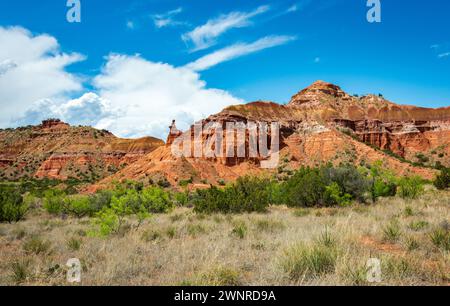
{"x": 317, "y": 246}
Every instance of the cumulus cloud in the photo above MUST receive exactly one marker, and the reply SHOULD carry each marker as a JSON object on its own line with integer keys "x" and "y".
{"x": 237, "y": 50}
{"x": 32, "y": 68}
{"x": 205, "y": 36}
{"x": 90, "y": 109}
{"x": 145, "y": 96}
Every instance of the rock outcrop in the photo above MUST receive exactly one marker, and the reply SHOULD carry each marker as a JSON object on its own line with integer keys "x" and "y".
{"x": 57, "y": 150}
{"x": 320, "y": 124}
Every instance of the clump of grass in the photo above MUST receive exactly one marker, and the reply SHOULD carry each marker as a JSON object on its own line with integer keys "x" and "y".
{"x": 308, "y": 261}
{"x": 74, "y": 244}
{"x": 258, "y": 246}
{"x": 441, "y": 238}
{"x": 176, "y": 217}
{"x": 418, "y": 225}
{"x": 222, "y": 277}
{"x": 301, "y": 212}
{"x": 19, "y": 233}
{"x": 20, "y": 271}
{"x": 195, "y": 230}
{"x": 355, "y": 275}
{"x": 152, "y": 235}
{"x": 412, "y": 244}
{"x": 218, "y": 219}
{"x": 267, "y": 225}
{"x": 326, "y": 239}
{"x": 36, "y": 245}
{"x": 360, "y": 209}
{"x": 392, "y": 232}
{"x": 397, "y": 267}
{"x": 171, "y": 232}
{"x": 408, "y": 211}
{"x": 239, "y": 230}
{"x": 81, "y": 233}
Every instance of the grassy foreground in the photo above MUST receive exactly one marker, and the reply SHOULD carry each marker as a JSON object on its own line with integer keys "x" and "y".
{"x": 286, "y": 246}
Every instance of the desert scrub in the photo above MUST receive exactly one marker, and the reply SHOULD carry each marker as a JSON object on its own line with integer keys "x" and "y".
{"x": 36, "y": 245}
{"x": 12, "y": 206}
{"x": 410, "y": 187}
{"x": 308, "y": 261}
{"x": 247, "y": 194}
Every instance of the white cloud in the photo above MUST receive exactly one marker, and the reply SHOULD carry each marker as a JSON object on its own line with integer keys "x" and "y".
{"x": 32, "y": 68}
{"x": 145, "y": 96}
{"x": 237, "y": 50}
{"x": 204, "y": 36}
{"x": 167, "y": 19}
{"x": 89, "y": 109}
{"x": 130, "y": 25}
{"x": 292, "y": 9}
{"x": 442, "y": 55}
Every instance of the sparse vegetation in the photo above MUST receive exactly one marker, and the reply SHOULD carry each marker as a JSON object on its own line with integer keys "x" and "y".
{"x": 231, "y": 235}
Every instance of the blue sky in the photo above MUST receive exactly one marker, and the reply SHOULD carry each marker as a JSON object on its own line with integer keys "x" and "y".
{"x": 277, "y": 47}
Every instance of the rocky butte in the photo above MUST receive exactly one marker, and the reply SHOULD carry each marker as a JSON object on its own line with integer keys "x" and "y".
{"x": 320, "y": 124}
{"x": 56, "y": 150}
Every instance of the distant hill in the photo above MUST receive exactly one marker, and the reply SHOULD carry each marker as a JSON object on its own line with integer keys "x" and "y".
{"x": 57, "y": 150}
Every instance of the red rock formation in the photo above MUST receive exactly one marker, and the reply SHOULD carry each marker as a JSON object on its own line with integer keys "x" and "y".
{"x": 321, "y": 124}
{"x": 56, "y": 150}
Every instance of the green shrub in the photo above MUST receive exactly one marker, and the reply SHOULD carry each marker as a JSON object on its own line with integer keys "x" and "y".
{"x": 111, "y": 219}
{"x": 410, "y": 187}
{"x": 182, "y": 198}
{"x": 350, "y": 180}
{"x": 79, "y": 206}
{"x": 334, "y": 195}
{"x": 442, "y": 181}
{"x": 245, "y": 195}
{"x": 305, "y": 188}
{"x": 12, "y": 206}
{"x": 54, "y": 201}
{"x": 100, "y": 200}
{"x": 156, "y": 200}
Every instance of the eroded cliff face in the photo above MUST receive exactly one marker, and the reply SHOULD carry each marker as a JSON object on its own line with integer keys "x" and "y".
{"x": 321, "y": 124}
{"x": 57, "y": 150}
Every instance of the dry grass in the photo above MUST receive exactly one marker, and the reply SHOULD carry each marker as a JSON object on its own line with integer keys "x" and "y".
{"x": 328, "y": 246}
